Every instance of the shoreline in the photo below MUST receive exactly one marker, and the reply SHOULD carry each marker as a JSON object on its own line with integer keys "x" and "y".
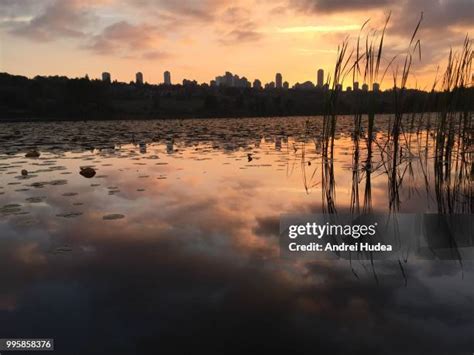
{"x": 185, "y": 117}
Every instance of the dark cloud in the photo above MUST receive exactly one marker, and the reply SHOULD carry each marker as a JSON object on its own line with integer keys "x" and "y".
{"x": 70, "y": 19}
{"x": 444, "y": 26}
{"x": 337, "y": 5}
{"x": 56, "y": 20}
{"x": 242, "y": 28}
{"x": 125, "y": 38}
{"x": 235, "y": 14}
{"x": 239, "y": 35}
{"x": 16, "y": 8}
{"x": 196, "y": 9}
{"x": 438, "y": 16}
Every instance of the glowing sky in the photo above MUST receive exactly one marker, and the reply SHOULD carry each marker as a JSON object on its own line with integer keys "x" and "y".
{"x": 199, "y": 39}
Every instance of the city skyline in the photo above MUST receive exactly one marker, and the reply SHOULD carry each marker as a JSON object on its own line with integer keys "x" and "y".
{"x": 229, "y": 80}
{"x": 235, "y": 81}
{"x": 199, "y": 38}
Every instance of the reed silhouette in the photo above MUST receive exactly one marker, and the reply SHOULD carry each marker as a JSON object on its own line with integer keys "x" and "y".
{"x": 413, "y": 137}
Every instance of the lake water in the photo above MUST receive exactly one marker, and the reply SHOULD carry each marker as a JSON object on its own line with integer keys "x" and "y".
{"x": 173, "y": 244}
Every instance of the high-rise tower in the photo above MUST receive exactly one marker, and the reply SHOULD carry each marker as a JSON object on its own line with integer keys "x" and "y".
{"x": 278, "y": 81}
{"x": 320, "y": 78}
{"x": 106, "y": 77}
{"x": 167, "y": 77}
{"x": 139, "y": 78}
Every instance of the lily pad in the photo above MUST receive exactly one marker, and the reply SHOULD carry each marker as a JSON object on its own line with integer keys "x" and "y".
{"x": 32, "y": 154}
{"x": 111, "y": 217}
{"x": 35, "y": 199}
{"x": 69, "y": 215}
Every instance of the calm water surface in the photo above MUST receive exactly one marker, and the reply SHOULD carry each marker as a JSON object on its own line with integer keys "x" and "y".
{"x": 173, "y": 244}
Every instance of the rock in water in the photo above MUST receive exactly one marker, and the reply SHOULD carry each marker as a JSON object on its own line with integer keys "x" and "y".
{"x": 24, "y": 172}
{"x": 32, "y": 154}
{"x": 87, "y": 172}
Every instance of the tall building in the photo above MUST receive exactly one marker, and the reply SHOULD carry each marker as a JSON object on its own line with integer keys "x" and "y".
{"x": 106, "y": 77}
{"x": 320, "y": 78}
{"x": 356, "y": 85}
{"x": 376, "y": 87}
{"x": 257, "y": 84}
{"x": 187, "y": 82}
{"x": 167, "y": 77}
{"x": 278, "y": 81}
{"x": 231, "y": 80}
{"x": 286, "y": 85}
{"x": 139, "y": 78}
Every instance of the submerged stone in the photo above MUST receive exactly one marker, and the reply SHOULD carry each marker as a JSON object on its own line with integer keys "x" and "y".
{"x": 87, "y": 172}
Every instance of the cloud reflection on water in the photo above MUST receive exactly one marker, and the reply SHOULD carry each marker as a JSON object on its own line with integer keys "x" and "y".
{"x": 195, "y": 261}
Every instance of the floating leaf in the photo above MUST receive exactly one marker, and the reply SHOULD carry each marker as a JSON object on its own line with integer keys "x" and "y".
{"x": 69, "y": 215}
{"x": 111, "y": 217}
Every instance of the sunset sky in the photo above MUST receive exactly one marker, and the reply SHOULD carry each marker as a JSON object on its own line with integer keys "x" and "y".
{"x": 201, "y": 39}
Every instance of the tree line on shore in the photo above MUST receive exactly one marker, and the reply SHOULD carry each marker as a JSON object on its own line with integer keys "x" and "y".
{"x": 81, "y": 98}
